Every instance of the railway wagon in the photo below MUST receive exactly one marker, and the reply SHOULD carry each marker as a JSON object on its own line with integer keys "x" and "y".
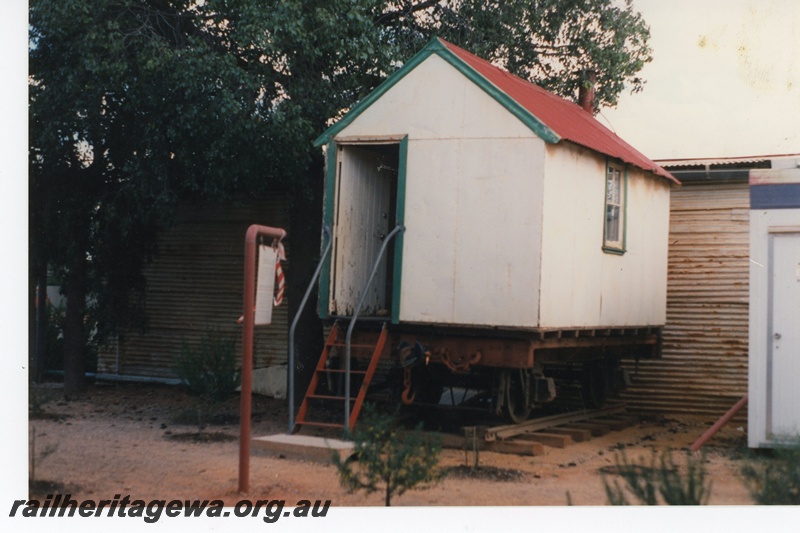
{"x": 483, "y": 232}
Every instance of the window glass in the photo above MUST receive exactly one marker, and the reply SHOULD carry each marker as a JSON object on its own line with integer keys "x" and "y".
{"x": 615, "y": 209}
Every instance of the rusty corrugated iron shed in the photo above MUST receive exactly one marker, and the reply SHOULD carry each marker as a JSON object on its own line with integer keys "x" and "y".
{"x": 194, "y": 286}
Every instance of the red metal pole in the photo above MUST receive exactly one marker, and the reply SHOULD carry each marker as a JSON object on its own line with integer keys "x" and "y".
{"x": 253, "y": 233}
{"x": 718, "y": 424}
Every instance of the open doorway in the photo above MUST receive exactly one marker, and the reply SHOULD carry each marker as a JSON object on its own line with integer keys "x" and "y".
{"x": 365, "y": 212}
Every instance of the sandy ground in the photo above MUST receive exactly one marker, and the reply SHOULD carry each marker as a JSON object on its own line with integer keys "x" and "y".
{"x": 122, "y": 439}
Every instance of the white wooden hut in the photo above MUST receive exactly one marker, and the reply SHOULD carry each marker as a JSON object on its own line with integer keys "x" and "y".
{"x": 526, "y": 221}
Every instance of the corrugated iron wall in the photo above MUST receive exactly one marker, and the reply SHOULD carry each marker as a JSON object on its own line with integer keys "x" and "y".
{"x": 195, "y": 284}
{"x": 704, "y": 365}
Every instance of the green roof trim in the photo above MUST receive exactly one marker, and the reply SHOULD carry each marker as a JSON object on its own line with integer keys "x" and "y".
{"x": 382, "y": 89}
{"x": 437, "y": 47}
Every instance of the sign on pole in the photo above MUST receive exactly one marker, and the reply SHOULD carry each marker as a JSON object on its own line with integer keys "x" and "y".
{"x": 265, "y": 284}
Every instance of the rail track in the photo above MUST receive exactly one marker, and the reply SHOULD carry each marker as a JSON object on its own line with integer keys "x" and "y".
{"x": 532, "y": 436}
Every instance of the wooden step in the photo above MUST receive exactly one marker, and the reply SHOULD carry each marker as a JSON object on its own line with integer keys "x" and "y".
{"x": 515, "y": 447}
{"x": 344, "y": 345}
{"x": 328, "y": 397}
{"x": 356, "y": 400}
{"x": 342, "y": 371}
{"x": 549, "y": 439}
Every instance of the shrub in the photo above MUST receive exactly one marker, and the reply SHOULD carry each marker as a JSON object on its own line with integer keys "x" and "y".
{"x": 209, "y": 369}
{"x": 775, "y": 480}
{"x": 209, "y": 372}
{"x": 387, "y": 459}
{"x": 661, "y": 477}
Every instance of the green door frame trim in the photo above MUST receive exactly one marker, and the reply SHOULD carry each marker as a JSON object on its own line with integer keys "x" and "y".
{"x": 400, "y": 218}
{"x": 437, "y": 47}
{"x": 329, "y": 207}
{"x": 331, "y": 161}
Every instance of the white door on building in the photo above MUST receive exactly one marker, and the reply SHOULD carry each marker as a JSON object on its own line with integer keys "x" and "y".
{"x": 783, "y": 368}
{"x": 364, "y": 215}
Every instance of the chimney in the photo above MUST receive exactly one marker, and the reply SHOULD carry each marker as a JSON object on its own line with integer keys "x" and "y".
{"x": 586, "y": 91}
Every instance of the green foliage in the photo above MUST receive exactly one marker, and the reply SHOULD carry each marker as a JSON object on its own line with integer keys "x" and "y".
{"x": 555, "y": 43}
{"x": 775, "y": 480}
{"x": 209, "y": 369}
{"x": 388, "y": 459}
{"x": 54, "y": 342}
{"x": 209, "y": 373}
{"x": 138, "y": 104}
{"x": 660, "y": 481}
{"x": 134, "y": 104}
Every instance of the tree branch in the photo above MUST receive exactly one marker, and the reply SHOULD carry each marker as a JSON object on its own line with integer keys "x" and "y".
{"x": 407, "y": 9}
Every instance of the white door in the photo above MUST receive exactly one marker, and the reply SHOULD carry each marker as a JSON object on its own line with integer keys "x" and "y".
{"x": 364, "y": 215}
{"x": 783, "y": 368}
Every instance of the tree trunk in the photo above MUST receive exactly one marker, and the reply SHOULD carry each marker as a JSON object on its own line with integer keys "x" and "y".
{"x": 39, "y": 327}
{"x": 74, "y": 329}
{"x": 304, "y": 236}
{"x": 37, "y": 282}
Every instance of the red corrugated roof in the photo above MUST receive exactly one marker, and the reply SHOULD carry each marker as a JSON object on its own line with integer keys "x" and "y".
{"x": 567, "y": 119}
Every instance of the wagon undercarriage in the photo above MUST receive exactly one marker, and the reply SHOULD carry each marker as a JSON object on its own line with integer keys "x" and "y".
{"x": 516, "y": 372}
{"x": 509, "y": 374}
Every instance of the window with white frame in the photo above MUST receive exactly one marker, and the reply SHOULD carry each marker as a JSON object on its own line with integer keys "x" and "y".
{"x": 614, "y": 238}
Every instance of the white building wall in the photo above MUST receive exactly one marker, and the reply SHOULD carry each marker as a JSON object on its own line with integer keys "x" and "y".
{"x": 581, "y": 285}
{"x": 774, "y": 368}
{"x": 435, "y": 101}
{"x": 472, "y": 246}
{"x": 473, "y": 199}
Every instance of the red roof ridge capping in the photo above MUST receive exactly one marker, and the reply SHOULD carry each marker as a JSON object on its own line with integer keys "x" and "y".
{"x": 567, "y": 119}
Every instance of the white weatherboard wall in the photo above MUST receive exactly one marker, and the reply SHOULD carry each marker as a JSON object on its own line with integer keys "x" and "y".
{"x": 472, "y": 199}
{"x": 583, "y": 286}
{"x": 774, "y": 360}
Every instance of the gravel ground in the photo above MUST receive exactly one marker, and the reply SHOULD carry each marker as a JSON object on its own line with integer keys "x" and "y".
{"x": 139, "y": 440}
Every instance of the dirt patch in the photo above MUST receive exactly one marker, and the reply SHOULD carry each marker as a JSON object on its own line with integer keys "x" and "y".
{"x": 40, "y": 487}
{"x": 128, "y": 438}
{"x": 200, "y": 438}
{"x": 488, "y": 473}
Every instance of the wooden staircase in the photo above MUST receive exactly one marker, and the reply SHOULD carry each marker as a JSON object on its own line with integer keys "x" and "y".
{"x": 317, "y": 398}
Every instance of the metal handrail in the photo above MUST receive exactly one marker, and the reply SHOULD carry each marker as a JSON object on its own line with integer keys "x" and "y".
{"x": 327, "y": 232}
{"x": 398, "y": 229}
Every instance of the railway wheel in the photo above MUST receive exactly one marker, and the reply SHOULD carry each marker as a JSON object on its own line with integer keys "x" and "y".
{"x": 595, "y": 384}
{"x": 515, "y": 394}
